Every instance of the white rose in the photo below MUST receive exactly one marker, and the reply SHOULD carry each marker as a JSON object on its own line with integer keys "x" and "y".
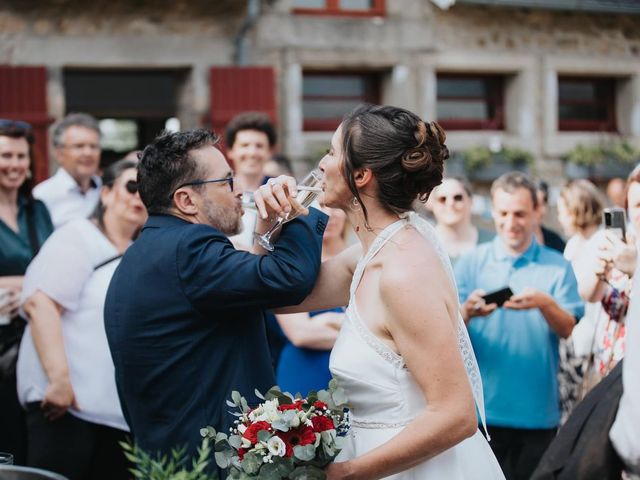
{"x": 276, "y": 446}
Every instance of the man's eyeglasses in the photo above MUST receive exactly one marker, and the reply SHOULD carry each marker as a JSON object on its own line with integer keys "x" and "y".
{"x": 458, "y": 197}
{"x": 213, "y": 180}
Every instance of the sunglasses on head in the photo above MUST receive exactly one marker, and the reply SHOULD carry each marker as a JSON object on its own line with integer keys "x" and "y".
{"x": 458, "y": 197}
{"x": 132, "y": 187}
{"x": 15, "y": 128}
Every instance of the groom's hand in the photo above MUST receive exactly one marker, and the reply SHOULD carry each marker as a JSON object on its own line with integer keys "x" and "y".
{"x": 277, "y": 197}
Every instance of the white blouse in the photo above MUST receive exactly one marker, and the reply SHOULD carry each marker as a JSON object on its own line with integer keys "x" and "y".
{"x": 64, "y": 271}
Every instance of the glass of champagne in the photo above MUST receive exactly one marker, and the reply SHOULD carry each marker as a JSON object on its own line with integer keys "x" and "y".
{"x": 308, "y": 190}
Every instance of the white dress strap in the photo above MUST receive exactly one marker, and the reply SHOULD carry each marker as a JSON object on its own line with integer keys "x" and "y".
{"x": 379, "y": 242}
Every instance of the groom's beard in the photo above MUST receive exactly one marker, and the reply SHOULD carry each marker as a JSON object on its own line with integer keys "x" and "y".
{"x": 227, "y": 220}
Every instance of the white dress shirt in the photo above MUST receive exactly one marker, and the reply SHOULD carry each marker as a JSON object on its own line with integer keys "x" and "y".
{"x": 64, "y": 199}
{"x": 624, "y": 433}
{"x": 64, "y": 270}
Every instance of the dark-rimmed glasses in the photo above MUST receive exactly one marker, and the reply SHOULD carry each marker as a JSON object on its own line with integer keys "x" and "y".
{"x": 202, "y": 182}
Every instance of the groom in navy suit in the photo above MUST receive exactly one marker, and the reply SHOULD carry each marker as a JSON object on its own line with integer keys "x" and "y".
{"x": 184, "y": 311}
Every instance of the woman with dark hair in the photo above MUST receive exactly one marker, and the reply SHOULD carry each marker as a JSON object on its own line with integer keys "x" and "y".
{"x": 24, "y": 225}
{"x": 65, "y": 372}
{"x": 403, "y": 355}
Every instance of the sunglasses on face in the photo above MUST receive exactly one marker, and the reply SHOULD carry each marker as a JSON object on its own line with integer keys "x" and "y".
{"x": 457, "y": 198}
{"x": 131, "y": 187}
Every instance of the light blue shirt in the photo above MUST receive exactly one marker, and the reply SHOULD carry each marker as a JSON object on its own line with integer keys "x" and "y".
{"x": 516, "y": 350}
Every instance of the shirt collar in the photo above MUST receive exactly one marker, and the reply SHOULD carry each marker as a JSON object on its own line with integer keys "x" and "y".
{"x": 68, "y": 182}
{"x": 501, "y": 253}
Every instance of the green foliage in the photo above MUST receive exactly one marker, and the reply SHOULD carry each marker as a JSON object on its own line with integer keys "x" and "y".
{"x": 611, "y": 152}
{"x": 479, "y": 157}
{"x": 169, "y": 467}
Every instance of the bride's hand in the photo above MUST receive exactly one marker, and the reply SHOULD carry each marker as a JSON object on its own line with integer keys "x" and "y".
{"x": 338, "y": 471}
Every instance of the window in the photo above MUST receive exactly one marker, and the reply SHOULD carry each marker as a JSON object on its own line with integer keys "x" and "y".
{"x": 327, "y": 97}
{"x": 586, "y": 104}
{"x": 365, "y": 8}
{"x": 471, "y": 102}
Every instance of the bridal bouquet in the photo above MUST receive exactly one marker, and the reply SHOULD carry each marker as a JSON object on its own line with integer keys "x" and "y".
{"x": 284, "y": 437}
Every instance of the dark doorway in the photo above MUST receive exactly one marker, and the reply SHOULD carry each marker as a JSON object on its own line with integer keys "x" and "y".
{"x": 133, "y": 106}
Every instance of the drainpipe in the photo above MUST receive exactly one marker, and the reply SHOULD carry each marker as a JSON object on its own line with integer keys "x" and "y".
{"x": 240, "y": 40}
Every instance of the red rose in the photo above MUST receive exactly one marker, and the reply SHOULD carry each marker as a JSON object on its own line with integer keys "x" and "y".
{"x": 322, "y": 423}
{"x": 320, "y": 405}
{"x": 241, "y": 452}
{"x": 302, "y": 435}
{"x": 251, "y": 433}
{"x": 297, "y": 405}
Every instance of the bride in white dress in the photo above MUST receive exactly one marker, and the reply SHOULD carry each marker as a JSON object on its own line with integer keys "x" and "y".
{"x": 403, "y": 355}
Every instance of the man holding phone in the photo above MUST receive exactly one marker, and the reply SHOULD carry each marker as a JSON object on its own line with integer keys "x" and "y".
{"x": 517, "y": 298}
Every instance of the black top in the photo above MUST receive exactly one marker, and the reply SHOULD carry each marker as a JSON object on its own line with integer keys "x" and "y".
{"x": 553, "y": 240}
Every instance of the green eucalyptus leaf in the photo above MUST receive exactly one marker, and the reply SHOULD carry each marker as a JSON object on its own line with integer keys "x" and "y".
{"x": 235, "y": 441}
{"x": 251, "y": 463}
{"x": 258, "y": 394}
{"x": 307, "y": 473}
{"x": 264, "y": 435}
{"x": 304, "y": 452}
{"x": 223, "y": 460}
{"x": 340, "y": 397}
{"x": 236, "y": 397}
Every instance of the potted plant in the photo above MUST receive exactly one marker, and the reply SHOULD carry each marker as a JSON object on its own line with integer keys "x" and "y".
{"x": 483, "y": 164}
{"x": 602, "y": 161}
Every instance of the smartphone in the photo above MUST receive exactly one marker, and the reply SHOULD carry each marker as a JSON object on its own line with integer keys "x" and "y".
{"x": 498, "y": 296}
{"x": 614, "y": 220}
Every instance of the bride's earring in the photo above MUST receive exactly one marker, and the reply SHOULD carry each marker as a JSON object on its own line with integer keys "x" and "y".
{"x": 355, "y": 204}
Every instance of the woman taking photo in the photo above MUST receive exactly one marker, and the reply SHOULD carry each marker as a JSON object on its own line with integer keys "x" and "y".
{"x": 65, "y": 372}
{"x": 410, "y": 386}
{"x": 24, "y": 226}
{"x": 580, "y": 208}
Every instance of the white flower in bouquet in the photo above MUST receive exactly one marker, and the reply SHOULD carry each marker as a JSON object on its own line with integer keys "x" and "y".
{"x": 276, "y": 447}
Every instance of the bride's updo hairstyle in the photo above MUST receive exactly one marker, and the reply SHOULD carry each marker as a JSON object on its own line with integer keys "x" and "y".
{"x": 405, "y": 154}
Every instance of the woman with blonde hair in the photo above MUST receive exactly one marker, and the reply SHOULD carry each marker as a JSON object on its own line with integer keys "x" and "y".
{"x": 580, "y": 213}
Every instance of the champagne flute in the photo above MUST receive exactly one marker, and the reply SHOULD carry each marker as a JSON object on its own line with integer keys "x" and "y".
{"x": 308, "y": 190}
{"x": 247, "y": 201}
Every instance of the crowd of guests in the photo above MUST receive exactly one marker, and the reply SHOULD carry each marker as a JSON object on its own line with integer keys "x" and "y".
{"x": 560, "y": 331}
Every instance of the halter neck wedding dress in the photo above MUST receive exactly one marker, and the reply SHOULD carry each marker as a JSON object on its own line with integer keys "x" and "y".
{"x": 384, "y": 396}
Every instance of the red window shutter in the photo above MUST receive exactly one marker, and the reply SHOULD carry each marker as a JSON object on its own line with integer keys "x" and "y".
{"x": 23, "y": 96}
{"x": 234, "y": 90}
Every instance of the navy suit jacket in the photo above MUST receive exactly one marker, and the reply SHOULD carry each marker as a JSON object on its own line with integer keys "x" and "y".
{"x": 184, "y": 321}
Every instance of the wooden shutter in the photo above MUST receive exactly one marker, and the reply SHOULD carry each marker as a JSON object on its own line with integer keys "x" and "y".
{"x": 234, "y": 90}
{"x": 23, "y": 96}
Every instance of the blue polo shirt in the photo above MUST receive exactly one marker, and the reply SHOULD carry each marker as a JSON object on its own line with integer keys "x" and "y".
{"x": 516, "y": 349}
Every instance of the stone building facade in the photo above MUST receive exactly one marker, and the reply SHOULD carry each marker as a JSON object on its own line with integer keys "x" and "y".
{"x": 402, "y": 53}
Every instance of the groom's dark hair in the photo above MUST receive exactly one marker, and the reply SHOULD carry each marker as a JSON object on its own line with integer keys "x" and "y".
{"x": 166, "y": 163}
